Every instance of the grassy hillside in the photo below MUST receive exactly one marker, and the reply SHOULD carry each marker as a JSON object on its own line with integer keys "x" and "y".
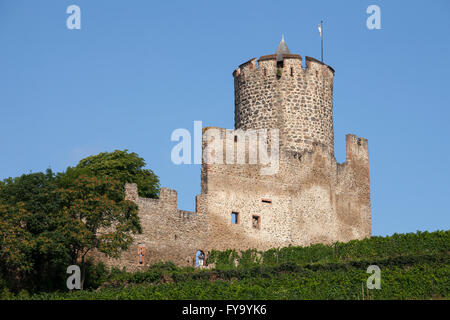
{"x": 413, "y": 266}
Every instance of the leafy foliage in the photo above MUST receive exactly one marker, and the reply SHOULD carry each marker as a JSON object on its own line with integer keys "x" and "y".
{"x": 94, "y": 215}
{"x": 371, "y": 248}
{"x": 413, "y": 266}
{"x": 31, "y": 248}
{"x": 48, "y": 221}
{"x": 120, "y": 165}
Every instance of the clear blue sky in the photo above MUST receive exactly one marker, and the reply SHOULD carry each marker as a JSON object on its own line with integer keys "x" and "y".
{"x": 137, "y": 70}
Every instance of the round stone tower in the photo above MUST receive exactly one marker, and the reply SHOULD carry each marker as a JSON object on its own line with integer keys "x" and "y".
{"x": 277, "y": 92}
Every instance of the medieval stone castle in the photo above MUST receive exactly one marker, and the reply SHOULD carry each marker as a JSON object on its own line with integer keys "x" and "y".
{"x": 310, "y": 199}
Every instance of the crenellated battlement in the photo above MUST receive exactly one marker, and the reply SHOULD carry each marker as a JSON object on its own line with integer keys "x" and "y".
{"x": 291, "y": 65}
{"x": 357, "y": 148}
{"x": 246, "y": 67}
{"x": 166, "y": 201}
{"x": 313, "y": 64}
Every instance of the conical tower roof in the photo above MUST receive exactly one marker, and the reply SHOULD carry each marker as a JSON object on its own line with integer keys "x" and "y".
{"x": 282, "y": 49}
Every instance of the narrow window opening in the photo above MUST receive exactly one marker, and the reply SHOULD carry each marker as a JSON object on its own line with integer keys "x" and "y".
{"x": 279, "y": 69}
{"x": 140, "y": 254}
{"x": 266, "y": 201}
{"x": 264, "y": 72}
{"x": 256, "y": 222}
{"x": 235, "y": 138}
{"x": 234, "y": 217}
{"x": 292, "y": 72}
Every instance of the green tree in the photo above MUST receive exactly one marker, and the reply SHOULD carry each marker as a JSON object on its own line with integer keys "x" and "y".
{"x": 46, "y": 226}
{"x": 95, "y": 215}
{"x": 32, "y": 251}
{"x": 120, "y": 165}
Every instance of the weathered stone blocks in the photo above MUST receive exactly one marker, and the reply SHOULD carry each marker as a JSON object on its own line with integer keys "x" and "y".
{"x": 310, "y": 199}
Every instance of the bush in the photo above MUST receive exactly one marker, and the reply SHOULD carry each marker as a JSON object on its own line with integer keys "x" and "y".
{"x": 413, "y": 266}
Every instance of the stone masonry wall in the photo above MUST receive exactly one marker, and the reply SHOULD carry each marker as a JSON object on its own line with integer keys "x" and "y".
{"x": 168, "y": 234}
{"x": 312, "y": 199}
{"x": 309, "y": 199}
{"x": 297, "y": 101}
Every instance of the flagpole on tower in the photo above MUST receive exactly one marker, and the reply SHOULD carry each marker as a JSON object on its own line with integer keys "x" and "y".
{"x": 321, "y": 39}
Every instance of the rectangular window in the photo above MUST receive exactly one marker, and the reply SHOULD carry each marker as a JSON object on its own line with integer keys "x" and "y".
{"x": 266, "y": 200}
{"x": 234, "y": 218}
{"x": 256, "y": 222}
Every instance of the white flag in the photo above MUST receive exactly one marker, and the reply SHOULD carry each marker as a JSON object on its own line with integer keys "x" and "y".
{"x": 320, "y": 29}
